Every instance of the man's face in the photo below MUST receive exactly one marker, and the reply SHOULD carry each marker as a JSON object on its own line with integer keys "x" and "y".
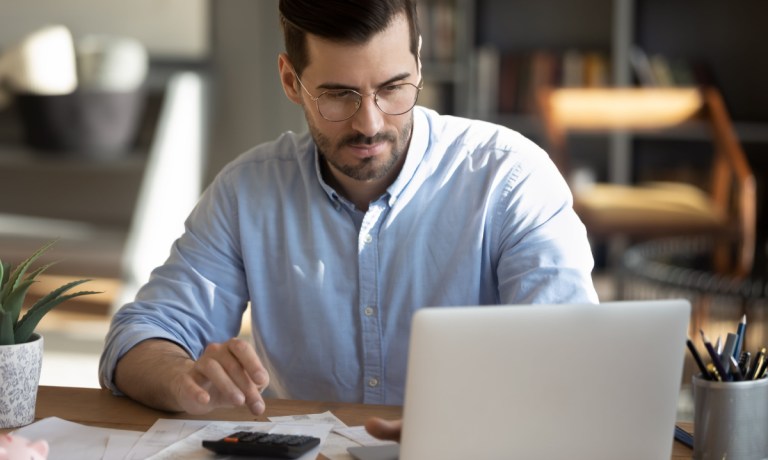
{"x": 370, "y": 145}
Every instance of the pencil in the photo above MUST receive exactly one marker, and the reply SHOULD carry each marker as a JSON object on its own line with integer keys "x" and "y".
{"x": 741, "y": 330}
{"x": 713, "y": 355}
{"x": 697, "y": 358}
{"x": 758, "y": 365}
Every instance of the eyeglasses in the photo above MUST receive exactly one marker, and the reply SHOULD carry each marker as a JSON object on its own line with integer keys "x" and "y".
{"x": 342, "y": 104}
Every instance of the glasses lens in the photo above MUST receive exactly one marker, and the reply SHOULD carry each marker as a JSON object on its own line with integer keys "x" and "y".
{"x": 338, "y": 105}
{"x": 397, "y": 99}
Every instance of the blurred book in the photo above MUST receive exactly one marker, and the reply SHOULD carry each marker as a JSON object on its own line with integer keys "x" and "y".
{"x": 437, "y": 21}
{"x": 518, "y": 76}
{"x": 488, "y": 93}
{"x": 641, "y": 65}
{"x": 595, "y": 69}
{"x": 573, "y": 69}
{"x": 662, "y": 72}
{"x": 436, "y": 96}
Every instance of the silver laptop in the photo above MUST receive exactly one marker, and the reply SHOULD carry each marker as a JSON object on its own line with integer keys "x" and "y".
{"x": 544, "y": 381}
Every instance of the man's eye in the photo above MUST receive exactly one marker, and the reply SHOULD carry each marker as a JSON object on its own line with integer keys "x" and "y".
{"x": 390, "y": 89}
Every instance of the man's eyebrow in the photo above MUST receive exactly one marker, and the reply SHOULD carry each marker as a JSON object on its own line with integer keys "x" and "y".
{"x": 331, "y": 85}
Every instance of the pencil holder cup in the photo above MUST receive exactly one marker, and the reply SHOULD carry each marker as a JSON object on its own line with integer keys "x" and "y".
{"x": 730, "y": 419}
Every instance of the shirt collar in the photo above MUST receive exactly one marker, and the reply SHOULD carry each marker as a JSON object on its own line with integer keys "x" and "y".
{"x": 416, "y": 151}
{"x": 332, "y": 195}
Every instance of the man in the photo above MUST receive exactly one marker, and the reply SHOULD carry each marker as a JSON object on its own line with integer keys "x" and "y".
{"x": 337, "y": 236}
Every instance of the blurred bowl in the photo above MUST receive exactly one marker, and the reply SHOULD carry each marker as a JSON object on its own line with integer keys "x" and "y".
{"x": 99, "y": 124}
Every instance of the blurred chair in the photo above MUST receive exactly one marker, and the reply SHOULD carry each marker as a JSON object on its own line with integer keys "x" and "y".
{"x": 726, "y": 210}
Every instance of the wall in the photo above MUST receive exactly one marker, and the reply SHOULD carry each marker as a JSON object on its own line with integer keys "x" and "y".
{"x": 146, "y": 20}
{"x": 249, "y": 104}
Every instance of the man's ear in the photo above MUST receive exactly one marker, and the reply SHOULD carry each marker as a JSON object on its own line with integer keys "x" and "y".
{"x": 288, "y": 79}
{"x": 418, "y": 55}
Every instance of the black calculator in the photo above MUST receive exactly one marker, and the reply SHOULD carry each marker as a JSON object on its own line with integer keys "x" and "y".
{"x": 262, "y": 445}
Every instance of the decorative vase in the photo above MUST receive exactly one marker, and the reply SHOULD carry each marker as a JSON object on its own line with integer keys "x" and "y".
{"x": 19, "y": 378}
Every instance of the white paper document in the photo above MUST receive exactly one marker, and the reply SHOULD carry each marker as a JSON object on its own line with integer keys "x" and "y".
{"x": 119, "y": 445}
{"x": 340, "y": 439}
{"x": 360, "y": 437}
{"x": 161, "y": 435}
{"x": 73, "y": 441}
{"x": 325, "y": 417}
{"x": 335, "y": 446}
{"x": 170, "y": 439}
{"x": 191, "y": 447}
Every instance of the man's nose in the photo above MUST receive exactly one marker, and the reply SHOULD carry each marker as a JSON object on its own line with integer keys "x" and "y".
{"x": 368, "y": 120}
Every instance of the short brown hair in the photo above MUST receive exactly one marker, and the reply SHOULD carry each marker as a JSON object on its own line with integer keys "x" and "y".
{"x": 351, "y": 21}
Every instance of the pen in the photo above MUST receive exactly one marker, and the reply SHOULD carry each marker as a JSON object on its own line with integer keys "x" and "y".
{"x": 728, "y": 348}
{"x": 735, "y": 371}
{"x": 760, "y": 371}
{"x": 683, "y": 436}
{"x": 757, "y": 364}
{"x": 741, "y": 330}
{"x": 714, "y": 374}
{"x": 697, "y": 358}
{"x": 713, "y": 355}
{"x": 744, "y": 362}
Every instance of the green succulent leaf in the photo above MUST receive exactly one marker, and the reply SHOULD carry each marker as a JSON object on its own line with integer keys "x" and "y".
{"x": 14, "y": 286}
{"x": 28, "y": 323}
{"x": 12, "y": 305}
{"x": 6, "y": 271}
{"x": 6, "y": 329}
{"x": 38, "y": 271}
{"x": 57, "y": 292}
{"x": 18, "y": 273}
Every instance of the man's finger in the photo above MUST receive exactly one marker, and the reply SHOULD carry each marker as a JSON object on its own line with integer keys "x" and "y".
{"x": 250, "y": 361}
{"x": 193, "y": 398}
{"x": 388, "y": 430}
{"x": 221, "y": 378}
{"x": 251, "y": 376}
{"x": 234, "y": 373}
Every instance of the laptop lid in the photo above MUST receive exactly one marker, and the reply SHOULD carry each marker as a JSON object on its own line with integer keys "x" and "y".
{"x": 545, "y": 381}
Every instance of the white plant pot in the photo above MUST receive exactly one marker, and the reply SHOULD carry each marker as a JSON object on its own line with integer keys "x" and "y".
{"x": 19, "y": 378}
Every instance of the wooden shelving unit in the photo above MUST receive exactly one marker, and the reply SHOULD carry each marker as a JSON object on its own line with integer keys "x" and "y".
{"x": 726, "y": 37}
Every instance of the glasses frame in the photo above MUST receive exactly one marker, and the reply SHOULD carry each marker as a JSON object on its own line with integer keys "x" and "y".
{"x": 375, "y": 95}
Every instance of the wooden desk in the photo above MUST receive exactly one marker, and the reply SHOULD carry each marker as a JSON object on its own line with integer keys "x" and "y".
{"x": 94, "y": 407}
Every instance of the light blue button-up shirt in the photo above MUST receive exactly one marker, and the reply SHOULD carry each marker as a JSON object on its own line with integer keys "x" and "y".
{"x": 479, "y": 215}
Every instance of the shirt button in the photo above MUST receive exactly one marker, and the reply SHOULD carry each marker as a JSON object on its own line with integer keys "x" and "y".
{"x": 368, "y": 238}
{"x": 373, "y": 383}
{"x": 368, "y": 311}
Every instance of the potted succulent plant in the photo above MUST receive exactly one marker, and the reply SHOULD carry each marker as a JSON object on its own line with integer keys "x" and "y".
{"x": 21, "y": 348}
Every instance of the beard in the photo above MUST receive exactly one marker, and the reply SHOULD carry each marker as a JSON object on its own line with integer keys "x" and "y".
{"x": 364, "y": 169}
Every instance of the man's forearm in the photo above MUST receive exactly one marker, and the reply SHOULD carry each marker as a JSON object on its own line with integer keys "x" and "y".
{"x": 148, "y": 371}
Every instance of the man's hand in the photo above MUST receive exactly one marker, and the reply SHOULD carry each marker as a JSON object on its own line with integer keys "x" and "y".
{"x": 388, "y": 430}
{"x": 160, "y": 374}
{"x": 226, "y": 374}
